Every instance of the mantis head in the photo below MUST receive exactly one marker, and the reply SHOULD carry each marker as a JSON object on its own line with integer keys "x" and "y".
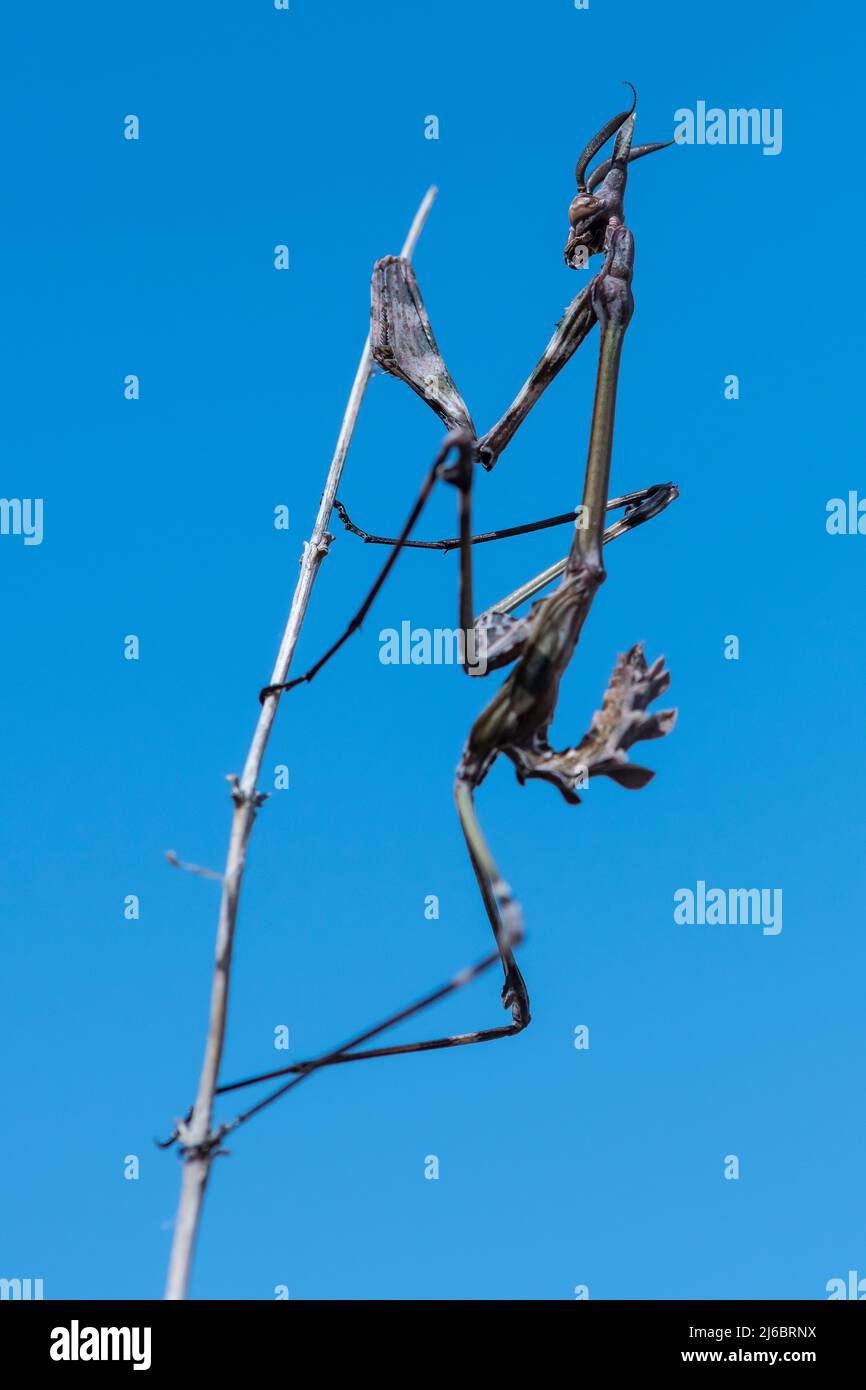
{"x": 600, "y": 196}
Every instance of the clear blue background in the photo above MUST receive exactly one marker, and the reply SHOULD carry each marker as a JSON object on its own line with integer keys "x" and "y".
{"x": 558, "y": 1167}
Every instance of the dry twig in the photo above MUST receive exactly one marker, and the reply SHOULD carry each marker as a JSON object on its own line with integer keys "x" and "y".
{"x": 199, "y": 1143}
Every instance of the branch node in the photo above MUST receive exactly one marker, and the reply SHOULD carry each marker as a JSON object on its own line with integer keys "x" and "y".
{"x": 245, "y": 798}
{"x": 207, "y": 1148}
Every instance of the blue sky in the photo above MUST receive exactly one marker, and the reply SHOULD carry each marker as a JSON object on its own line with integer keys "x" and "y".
{"x": 558, "y": 1167}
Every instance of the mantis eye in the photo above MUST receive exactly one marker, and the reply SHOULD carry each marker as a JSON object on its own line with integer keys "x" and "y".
{"x": 583, "y": 207}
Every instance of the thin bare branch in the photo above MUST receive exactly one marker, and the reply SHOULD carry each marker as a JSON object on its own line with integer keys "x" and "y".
{"x": 197, "y": 1137}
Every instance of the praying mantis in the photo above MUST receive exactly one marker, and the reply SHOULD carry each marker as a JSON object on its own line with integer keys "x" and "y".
{"x": 539, "y": 645}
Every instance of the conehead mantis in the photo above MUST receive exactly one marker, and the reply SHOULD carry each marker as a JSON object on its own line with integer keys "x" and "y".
{"x": 539, "y": 645}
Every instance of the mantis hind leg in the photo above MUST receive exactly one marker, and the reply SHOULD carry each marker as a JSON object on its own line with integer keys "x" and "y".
{"x": 503, "y": 909}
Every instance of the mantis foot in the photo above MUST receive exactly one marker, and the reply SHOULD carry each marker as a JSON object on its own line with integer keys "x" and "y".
{"x": 515, "y": 996}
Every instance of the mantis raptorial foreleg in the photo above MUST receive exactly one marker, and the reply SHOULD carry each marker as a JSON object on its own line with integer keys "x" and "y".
{"x": 575, "y": 324}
